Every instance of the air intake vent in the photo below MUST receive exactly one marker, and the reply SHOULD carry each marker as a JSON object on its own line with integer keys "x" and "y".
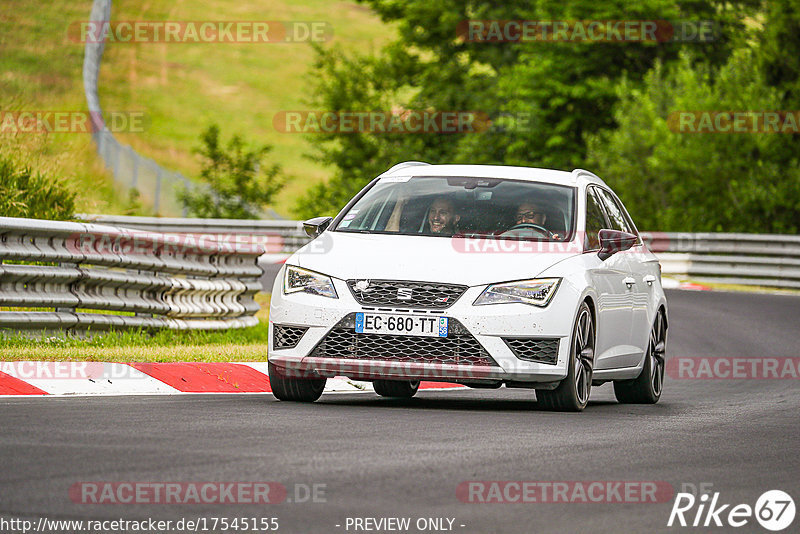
{"x": 287, "y": 337}
{"x": 533, "y": 349}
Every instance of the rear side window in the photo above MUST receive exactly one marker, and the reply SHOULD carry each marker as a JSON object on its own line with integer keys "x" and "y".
{"x": 595, "y": 220}
{"x": 616, "y": 215}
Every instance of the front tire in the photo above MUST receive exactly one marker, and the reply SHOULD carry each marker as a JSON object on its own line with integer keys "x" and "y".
{"x": 647, "y": 387}
{"x": 402, "y": 389}
{"x": 294, "y": 389}
{"x": 572, "y": 394}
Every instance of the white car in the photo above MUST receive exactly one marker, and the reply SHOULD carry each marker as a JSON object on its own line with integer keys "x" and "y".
{"x": 478, "y": 275}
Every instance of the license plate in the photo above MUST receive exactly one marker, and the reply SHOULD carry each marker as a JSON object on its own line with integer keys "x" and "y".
{"x": 395, "y": 324}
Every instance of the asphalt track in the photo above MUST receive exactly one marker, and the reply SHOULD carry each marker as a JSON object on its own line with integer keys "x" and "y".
{"x": 384, "y": 458}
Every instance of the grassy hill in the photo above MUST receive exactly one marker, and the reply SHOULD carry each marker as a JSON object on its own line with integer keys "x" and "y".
{"x": 40, "y": 71}
{"x": 180, "y": 87}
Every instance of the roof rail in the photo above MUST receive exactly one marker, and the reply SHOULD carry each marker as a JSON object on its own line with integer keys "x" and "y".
{"x": 404, "y": 164}
{"x": 583, "y": 171}
{"x": 578, "y": 172}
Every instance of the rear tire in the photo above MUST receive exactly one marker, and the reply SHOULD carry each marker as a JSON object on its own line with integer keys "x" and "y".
{"x": 401, "y": 389}
{"x": 647, "y": 387}
{"x": 294, "y": 389}
{"x": 572, "y": 394}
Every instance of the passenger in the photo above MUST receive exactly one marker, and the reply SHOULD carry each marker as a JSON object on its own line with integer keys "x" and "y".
{"x": 442, "y": 216}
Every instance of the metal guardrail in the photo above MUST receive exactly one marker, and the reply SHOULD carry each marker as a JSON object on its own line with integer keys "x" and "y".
{"x": 276, "y": 236}
{"x": 748, "y": 259}
{"x": 89, "y": 276}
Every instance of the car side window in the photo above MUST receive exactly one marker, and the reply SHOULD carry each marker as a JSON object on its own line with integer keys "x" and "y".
{"x": 616, "y": 217}
{"x": 595, "y": 220}
{"x": 627, "y": 216}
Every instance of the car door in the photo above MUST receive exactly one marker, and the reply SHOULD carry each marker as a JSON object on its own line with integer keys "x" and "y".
{"x": 644, "y": 270}
{"x": 636, "y": 285}
{"x": 610, "y": 278}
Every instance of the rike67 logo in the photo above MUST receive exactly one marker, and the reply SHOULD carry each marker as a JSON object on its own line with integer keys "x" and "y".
{"x": 774, "y": 510}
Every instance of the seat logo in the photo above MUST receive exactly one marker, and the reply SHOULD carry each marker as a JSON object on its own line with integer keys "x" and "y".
{"x": 404, "y": 293}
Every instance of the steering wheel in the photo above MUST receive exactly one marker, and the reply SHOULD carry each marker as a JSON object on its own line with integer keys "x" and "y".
{"x": 541, "y": 229}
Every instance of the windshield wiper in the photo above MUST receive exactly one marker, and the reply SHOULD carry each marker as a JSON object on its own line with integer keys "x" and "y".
{"x": 353, "y": 231}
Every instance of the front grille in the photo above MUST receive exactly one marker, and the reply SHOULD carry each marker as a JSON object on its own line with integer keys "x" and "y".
{"x": 534, "y": 350}
{"x": 459, "y": 347}
{"x": 406, "y": 294}
{"x": 287, "y": 337}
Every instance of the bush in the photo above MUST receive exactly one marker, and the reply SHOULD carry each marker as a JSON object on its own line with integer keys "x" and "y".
{"x": 234, "y": 185}
{"x": 30, "y": 194}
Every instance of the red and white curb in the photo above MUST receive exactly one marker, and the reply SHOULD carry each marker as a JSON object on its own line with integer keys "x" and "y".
{"x": 175, "y": 378}
{"x": 672, "y": 283}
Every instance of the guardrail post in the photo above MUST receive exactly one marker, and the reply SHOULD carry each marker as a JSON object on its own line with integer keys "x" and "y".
{"x": 67, "y": 309}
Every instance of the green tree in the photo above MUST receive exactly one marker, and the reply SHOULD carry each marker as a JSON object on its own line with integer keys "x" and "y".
{"x": 779, "y": 56}
{"x": 564, "y": 90}
{"x": 355, "y": 156}
{"x": 570, "y": 88}
{"x": 234, "y": 182}
{"x": 674, "y": 180}
{"x": 779, "y": 52}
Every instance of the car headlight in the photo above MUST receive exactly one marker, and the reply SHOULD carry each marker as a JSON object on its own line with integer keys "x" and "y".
{"x": 536, "y": 292}
{"x": 296, "y": 279}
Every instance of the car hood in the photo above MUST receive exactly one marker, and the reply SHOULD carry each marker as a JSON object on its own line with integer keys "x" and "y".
{"x": 432, "y": 259}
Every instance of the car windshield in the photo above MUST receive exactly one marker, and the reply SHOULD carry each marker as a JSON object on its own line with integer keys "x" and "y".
{"x": 463, "y": 207}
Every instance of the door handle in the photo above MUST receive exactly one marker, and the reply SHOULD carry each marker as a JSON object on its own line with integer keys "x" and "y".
{"x": 649, "y": 279}
{"x": 629, "y": 281}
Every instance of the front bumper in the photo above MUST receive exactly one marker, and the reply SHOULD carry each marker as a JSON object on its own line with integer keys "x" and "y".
{"x": 488, "y": 325}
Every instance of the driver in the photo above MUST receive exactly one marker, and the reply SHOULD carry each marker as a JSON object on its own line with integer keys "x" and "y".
{"x": 530, "y": 212}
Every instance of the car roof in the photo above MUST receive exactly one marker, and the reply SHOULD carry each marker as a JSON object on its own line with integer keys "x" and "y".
{"x": 533, "y": 174}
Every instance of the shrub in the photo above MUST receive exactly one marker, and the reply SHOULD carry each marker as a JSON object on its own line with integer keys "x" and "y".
{"x": 27, "y": 193}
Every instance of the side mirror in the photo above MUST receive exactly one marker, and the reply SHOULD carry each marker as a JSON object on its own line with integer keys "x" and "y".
{"x": 317, "y": 225}
{"x": 613, "y": 241}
